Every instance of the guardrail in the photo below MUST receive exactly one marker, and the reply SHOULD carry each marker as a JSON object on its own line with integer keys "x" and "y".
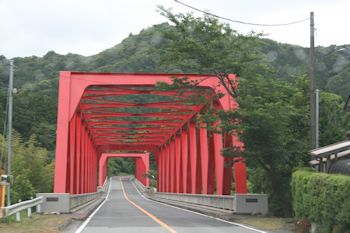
{"x": 216, "y": 201}
{"x": 67, "y": 203}
{"x": 104, "y": 187}
{"x": 80, "y": 199}
{"x": 238, "y": 203}
{"x": 17, "y": 208}
{"x": 139, "y": 185}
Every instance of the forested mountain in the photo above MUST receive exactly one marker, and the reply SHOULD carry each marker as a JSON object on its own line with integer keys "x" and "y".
{"x": 274, "y": 91}
{"x": 36, "y": 78}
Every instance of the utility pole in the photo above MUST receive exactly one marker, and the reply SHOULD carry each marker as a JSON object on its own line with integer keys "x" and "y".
{"x": 313, "y": 123}
{"x": 9, "y": 136}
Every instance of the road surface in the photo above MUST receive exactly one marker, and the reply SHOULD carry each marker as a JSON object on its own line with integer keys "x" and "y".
{"x": 125, "y": 210}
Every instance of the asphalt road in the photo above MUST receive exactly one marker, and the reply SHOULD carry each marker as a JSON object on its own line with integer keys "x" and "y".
{"x": 125, "y": 210}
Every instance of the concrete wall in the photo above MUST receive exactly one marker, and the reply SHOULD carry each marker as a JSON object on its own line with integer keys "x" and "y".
{"x": 251, "y": 204}
{"x": 55, "y": 202}
{"x": 238, "y": 203}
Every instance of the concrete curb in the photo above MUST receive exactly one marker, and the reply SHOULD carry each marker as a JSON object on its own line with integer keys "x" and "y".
{"x": 85, "y": 212}
{"x": 64, "y": 225}
{"x": 81, "y": 214}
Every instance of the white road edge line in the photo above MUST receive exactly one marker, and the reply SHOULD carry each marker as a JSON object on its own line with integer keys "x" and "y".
{"x": 83, "y": 225}
{"x": 218, "y": 219}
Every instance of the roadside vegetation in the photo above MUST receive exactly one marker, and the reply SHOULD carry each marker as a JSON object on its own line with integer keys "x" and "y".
{"x": 322, "y": 199}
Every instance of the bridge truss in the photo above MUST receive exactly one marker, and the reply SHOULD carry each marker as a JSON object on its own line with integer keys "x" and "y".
{"x": 114, "y": 113}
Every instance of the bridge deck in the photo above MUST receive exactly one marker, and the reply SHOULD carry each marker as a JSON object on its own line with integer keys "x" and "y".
{"x": 137, "y": 214}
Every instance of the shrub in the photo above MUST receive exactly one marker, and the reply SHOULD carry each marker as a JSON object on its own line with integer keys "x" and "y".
{"x": 322, "y": 198}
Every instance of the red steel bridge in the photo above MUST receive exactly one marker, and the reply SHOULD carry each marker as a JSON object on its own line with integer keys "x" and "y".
{"x": 104, "y": 115}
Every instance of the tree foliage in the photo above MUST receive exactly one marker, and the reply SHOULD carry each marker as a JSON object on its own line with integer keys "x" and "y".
{"x": 322, "y": 198}
{"x": 120, "y": 166}
{"x": 274, "y": 129}
{"x": 273, "y": 113}
{"x": 32, "y": 171}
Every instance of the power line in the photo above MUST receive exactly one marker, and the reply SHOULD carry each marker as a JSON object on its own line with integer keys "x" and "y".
{"x": 242, "y": 22}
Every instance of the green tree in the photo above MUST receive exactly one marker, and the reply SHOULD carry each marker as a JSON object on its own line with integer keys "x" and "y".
{"x": 204, "y": 45}
{"x": 272, "y": 114}
{"x": 333, "y": 119}
{"x": 31, "y": 171}
{"x": 120, "y": 166}
{"x": 274, "y": 129}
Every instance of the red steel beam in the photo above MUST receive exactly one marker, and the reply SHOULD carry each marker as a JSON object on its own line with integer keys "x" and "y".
{"x": 82, "y": 95}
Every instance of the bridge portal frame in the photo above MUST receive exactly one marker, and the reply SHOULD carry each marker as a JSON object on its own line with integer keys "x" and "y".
{"x": 77, "y": 155}
{"x": 141, "y": 166}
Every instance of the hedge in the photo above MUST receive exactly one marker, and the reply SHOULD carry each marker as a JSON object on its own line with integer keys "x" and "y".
{"x": 322, "y": 198}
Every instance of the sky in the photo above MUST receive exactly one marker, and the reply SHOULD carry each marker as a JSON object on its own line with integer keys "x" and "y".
{"x": 87, "y": 27}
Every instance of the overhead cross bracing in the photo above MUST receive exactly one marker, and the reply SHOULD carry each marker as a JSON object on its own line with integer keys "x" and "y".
{"x": 138, "y": 115}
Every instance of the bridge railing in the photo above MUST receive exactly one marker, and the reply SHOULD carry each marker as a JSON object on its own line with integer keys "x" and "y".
{"x": 237, "y": 203}
{"x": 139, "y": 185}
{"x": 18, "y": 207}
{"x": 67, "y": 203}
{"x": 77, "y": 200}
{"x": 220, "y": 202}
{"x": 104, "y": 187}
{"x": 81, "y": 199}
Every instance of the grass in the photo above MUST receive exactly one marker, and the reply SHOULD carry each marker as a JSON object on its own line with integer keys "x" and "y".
{"x": 36, "y": 224}
{"x": 12, "y": 218}
{"x": 267, "y": 223}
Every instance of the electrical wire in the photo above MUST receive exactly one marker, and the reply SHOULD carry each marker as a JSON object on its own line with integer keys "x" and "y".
{"x": 242, "y": 22}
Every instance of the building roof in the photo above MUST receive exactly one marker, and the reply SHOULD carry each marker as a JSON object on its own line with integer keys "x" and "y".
{"x": 331, "y": 152}
{"x": 331, "y": 149}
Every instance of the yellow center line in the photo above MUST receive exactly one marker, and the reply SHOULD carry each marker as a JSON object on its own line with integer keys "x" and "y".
{"x": 157, "y": 220}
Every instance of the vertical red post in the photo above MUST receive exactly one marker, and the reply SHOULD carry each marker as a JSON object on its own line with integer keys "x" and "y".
{"x": 146, "y": 165}
{"x": 95, "y": 168}
{"x": 159, "y": 171}
{"x": 86, "y": 160}
{"x": 164, "y": 169}
{"x": 178, "y": 179}
{"x": 87, "y": 165}
{"x": 86, "y": 155}
{"x": 227, "y": 176}
{"x": 60, "y": 183}
{"x": 138, "y": 169}
{"x": 203, "y": 141}
{"x": 167, "y": 167}
{"x": 193, "y": 155}
{"x": 240, "y": 175}
{"x": 172, "y": 166}
{"x": 83, "y": 156}
{"x": 184, "y": 157}
{"x": 227, "y": 167}
{"x": 90, "y": 166}
{"x": 199, "y": 166}
{"x": 161, "y": 168}
{"x": 105, "y": 167}
{"x": 219, "y": 163}
{"x": 78, "y": 151}
{"x": 72, "y": 138}
{"x": 211, "y": 166}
